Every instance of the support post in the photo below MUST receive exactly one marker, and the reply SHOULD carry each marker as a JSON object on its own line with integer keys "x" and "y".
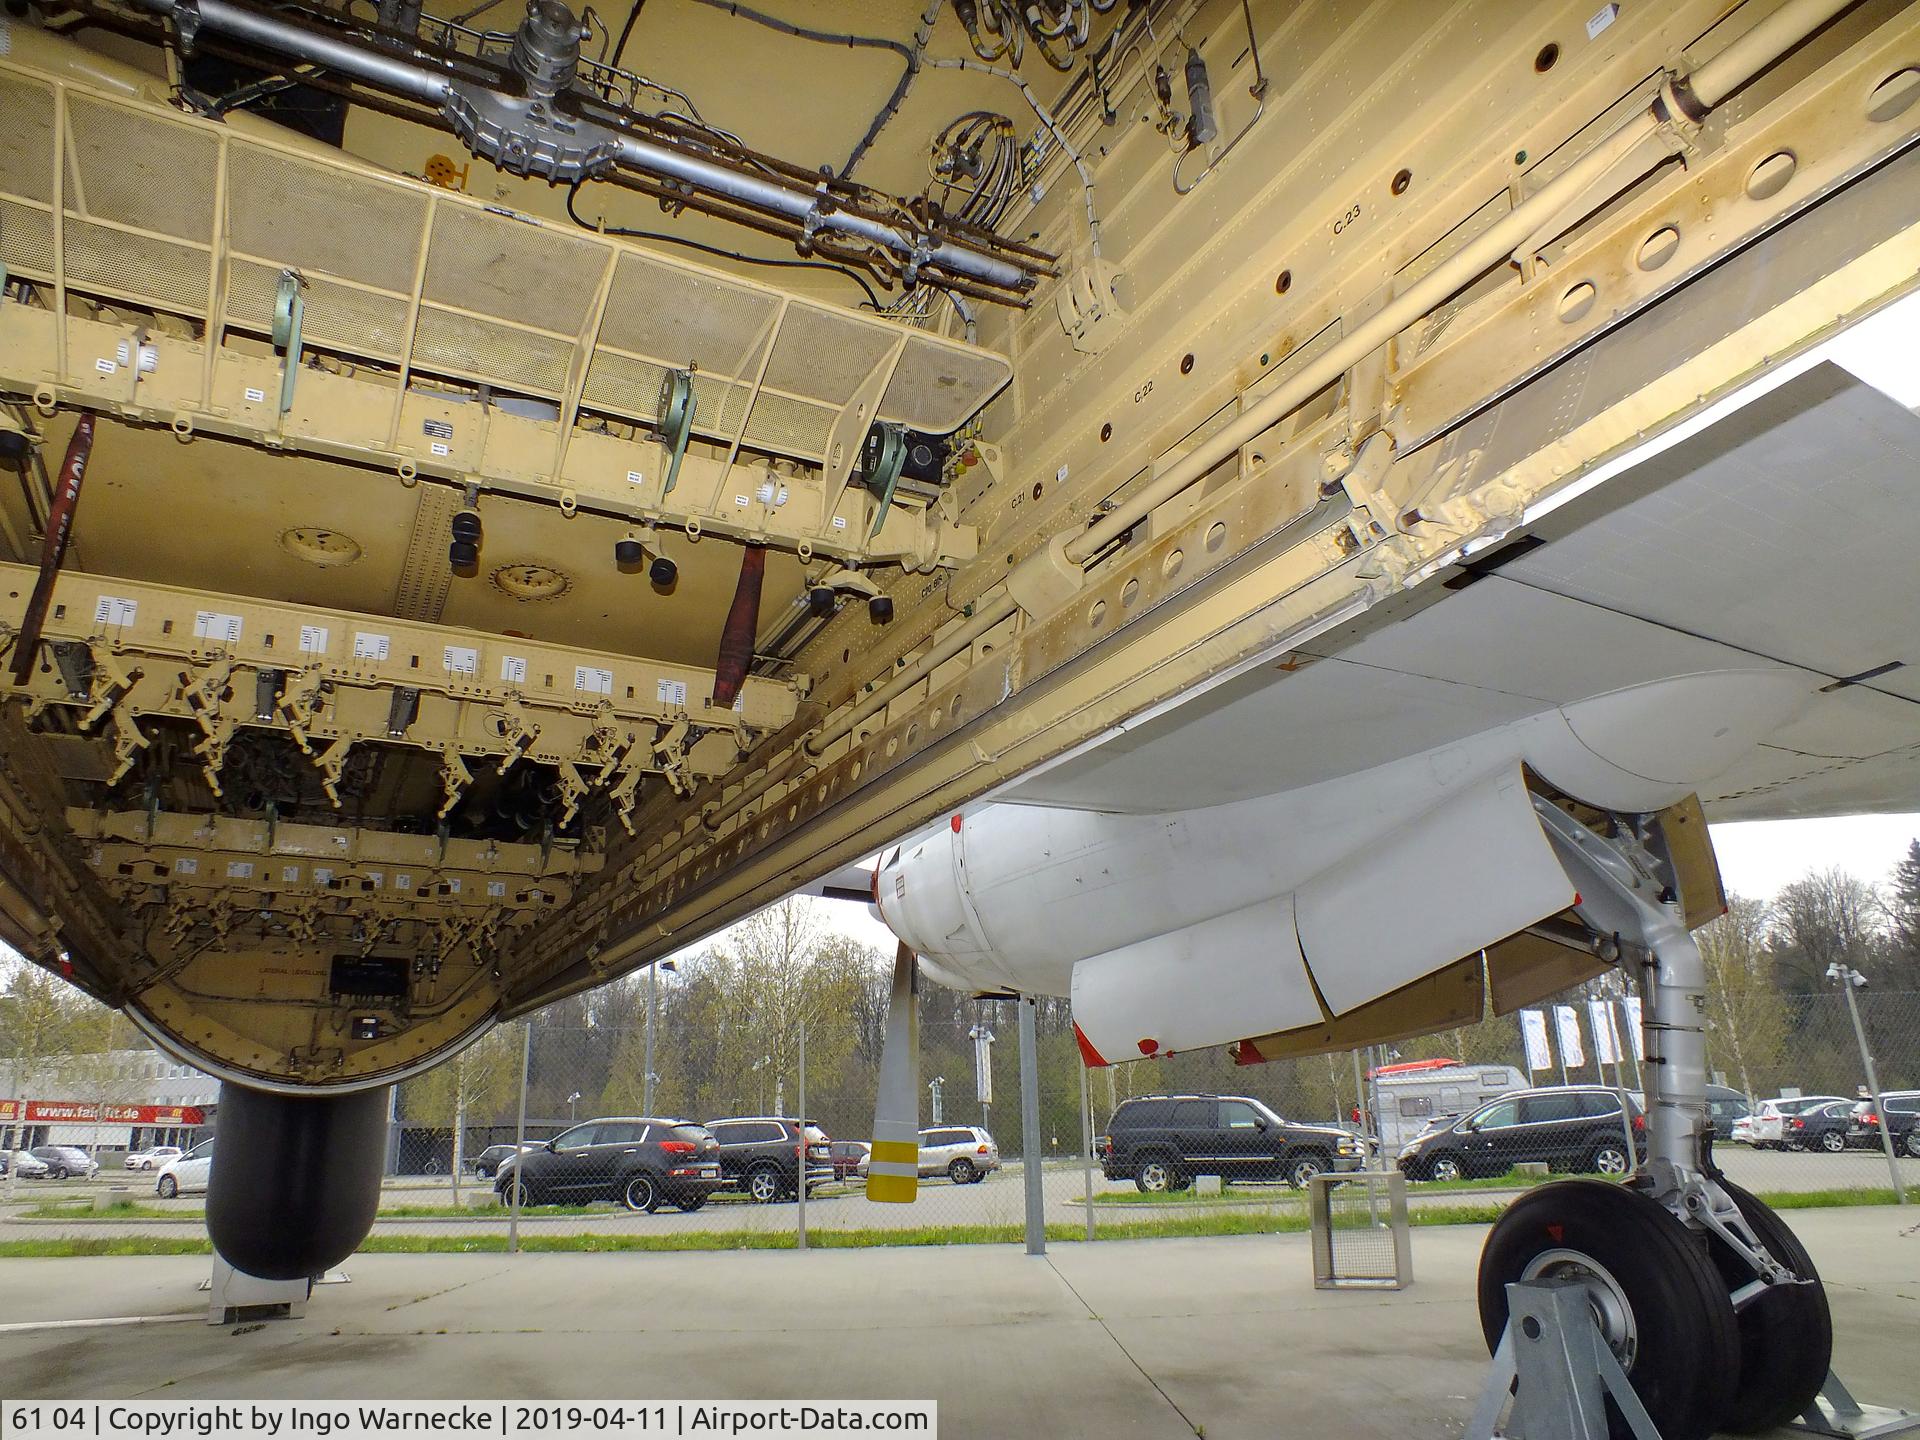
{"x": 646, "y": 1081}
{"x": 1086, "y": 1150}
{"x": 800, "y": 1177}
{"x": 1030, "y": 1129}
{"x": 519, "y": 1139}
{"x": 1848, "y": 978}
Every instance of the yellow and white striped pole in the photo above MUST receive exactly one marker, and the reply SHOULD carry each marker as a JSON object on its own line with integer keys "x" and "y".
{"x": 893, "y": 1169}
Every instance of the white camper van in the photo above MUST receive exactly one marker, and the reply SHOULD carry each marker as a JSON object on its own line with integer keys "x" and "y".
{"x": 1413, "y": 1095}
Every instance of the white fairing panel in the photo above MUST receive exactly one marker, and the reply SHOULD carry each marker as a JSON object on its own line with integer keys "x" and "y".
{"x": 1462, "y": 876}
{"x": 1235, "y": 975}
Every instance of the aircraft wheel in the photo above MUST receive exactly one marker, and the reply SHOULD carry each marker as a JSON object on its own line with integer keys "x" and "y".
{"x": 1786, "y": 1335}
{"x": 1656, "y": 1296}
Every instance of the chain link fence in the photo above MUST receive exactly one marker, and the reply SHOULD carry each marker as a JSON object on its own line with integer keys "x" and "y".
{"x": 685, "y": 1110}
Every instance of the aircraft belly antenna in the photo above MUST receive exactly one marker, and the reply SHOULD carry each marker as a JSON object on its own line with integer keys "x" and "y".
{"x": 677, "y": 406}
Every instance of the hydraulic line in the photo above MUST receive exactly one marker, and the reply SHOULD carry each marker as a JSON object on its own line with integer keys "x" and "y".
{"x": 53, "y": 546}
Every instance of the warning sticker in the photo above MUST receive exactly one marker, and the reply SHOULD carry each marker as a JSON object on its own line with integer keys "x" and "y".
{"x": 403, "y": 881}
{"x": 438, "y": 429}
{"x": 313, "y": 639}
{"x": 106, "y": 366}
{"x": 496, "y": 889}
{"x": 461, "y": 659}
{"x": 239, "y": 869}
{"x": 839, "y": 522}
{"x": 369, "y": 646}
{"x": 186, "y": 865}
{"x": 593, "y": 680}
{"x": 513, "y": 669}
{"x": 322, "y": 875}
{"x": 289, "y": 874}
{"x": 453, "y": 884}
{"x": 634, "y": 477}
{"x": 440, "y": 447}
{"x": 671, "y": 692}
{"x": 216, "y": 625}
{"x": 254, "y": 397}
{"x": 115, "y": 610}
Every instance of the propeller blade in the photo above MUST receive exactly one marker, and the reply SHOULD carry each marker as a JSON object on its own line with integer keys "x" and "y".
{"x": 893, "y": 1169}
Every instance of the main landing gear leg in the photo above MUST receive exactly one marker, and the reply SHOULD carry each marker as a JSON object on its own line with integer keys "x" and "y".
{"x": 1708, "y": 1302}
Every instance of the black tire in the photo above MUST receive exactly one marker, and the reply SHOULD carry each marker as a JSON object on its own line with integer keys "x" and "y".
{"x": 1833, "y": 1142}
{"x": 1786, "y": 1335}
{"x": 641, "y": 1194}
{"x": 1609, "y": 1158}
{"x": 1662, "y": 1304}
{"x": 961, "y": 1171}
{"x": 1183, "y": 1182}
{"x": 1156, "y": 1174}
{"x": 1303, "y": 1167}
{"x": 690, "y": 1204}
{"x": 764, "y": 1185}
{"x": 529, "y": 1197}
{"x": 58, "y": 1172}
{"x": 168, "y": 1187}
{"x": 1445, "y": 1166}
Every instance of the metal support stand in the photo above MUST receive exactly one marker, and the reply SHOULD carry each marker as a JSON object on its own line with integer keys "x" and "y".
{"x": 1837, "y": 1414}
{"x": 234, "y": 1295}
{"x": 1030, "y": 1129}
{"x": 1564, "y": 1370}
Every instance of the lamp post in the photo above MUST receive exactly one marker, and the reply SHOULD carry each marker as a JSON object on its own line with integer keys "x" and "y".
{"x": 1851, "y": 980}
{"x": 571, "y": 1101}
{"x": 646, "y": 1084}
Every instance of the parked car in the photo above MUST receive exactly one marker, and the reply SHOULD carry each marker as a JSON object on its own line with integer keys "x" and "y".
{"x": 186, "y": 1175}
{"x": 487, "y": 1163}
{"x": 22, "y": 1165}
{"x": 1822, "y": 1127}
{"x": 1770, "y": 1118}
{"x": 965, "y": 1154}
{"x": 1743, "y": 1130}
{"x": 1160, "y": 1142}
{"x": 1568, "y": 1127}
{"x": 760, "y": 1155}
{"x": 64, "y": 1160}
{"x": 154, "y": 1158}
{"x": 1726, "y": 1108}
{"x": 849, "y": 1158}
{"x": 636, "y": 1161}
{"x": 1902, "y": 1118}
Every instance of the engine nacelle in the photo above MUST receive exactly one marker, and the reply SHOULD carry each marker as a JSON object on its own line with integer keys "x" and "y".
{"x": 1204, "y": 927}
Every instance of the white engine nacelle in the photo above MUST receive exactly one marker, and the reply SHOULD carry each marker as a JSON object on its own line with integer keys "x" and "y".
{"x": 1205, "y": 927}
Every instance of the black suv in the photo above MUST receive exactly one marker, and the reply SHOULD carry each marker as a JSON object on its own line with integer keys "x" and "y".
{"x": 1160, "y": 1142}
{"x": 760, "y": 1155}
{"x": 1571, "y": 1127}
{"x": 636, "y": 1161}
{"x": 1903, "y": 1122}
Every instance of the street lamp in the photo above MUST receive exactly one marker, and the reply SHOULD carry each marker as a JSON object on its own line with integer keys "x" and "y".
{"x": 646, "y": 1084}
{"x": 571, "y": 1101}
{"x": 1850, "y": 980}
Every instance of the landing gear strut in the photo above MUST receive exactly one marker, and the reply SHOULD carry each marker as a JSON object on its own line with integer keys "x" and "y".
{"x": 1711, "y": 1306}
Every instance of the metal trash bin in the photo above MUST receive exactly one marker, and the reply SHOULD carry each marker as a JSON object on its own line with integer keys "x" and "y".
{"x": 1359, "y": 1230}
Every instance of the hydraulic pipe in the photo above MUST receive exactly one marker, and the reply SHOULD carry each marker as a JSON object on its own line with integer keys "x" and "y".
{"x": 53, "y": 546}
{"x": 1766, "y": 42}
{"x": 418, "y": 82}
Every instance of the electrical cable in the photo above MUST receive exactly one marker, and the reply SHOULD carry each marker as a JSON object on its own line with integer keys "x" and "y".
{"x": 873, "y": 298}
{"x": 626, "y": 33}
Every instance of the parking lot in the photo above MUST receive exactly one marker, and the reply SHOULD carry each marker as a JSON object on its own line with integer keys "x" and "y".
{"x": 998, "y": 1201}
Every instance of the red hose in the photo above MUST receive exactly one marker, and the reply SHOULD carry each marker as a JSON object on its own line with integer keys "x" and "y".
{"x": 743, "y": 622}
{"x": 53, "y": 547}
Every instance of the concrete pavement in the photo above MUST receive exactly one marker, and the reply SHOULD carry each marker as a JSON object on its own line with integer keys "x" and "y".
{"x": 1171, "y": 1338}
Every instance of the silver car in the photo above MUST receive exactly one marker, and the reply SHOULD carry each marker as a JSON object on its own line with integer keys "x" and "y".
{"x": 965, "y": 1154}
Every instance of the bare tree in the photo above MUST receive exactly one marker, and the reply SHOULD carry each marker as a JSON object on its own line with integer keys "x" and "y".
{"x": 1747, "y": 1021}
{"x": 1825, "y": 918}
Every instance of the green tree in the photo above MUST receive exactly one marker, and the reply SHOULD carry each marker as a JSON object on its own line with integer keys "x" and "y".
{"x": 481, "y": 1082}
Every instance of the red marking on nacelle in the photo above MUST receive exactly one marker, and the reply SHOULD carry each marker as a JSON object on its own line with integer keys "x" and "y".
{"x": 1149, "y": 1046}
{"x": 1089, "y": 1056}
{"x": 956, "y": 824}
{"x": 1246, "y": 1053}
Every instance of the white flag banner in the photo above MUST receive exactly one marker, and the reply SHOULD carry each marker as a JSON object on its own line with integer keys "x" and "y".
{"x": 1632, "y": 1002}
{"x": 1533, "y": 1025}
{"x": 1606, "y": 1036}
{"x": 1572, "y": 1053}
